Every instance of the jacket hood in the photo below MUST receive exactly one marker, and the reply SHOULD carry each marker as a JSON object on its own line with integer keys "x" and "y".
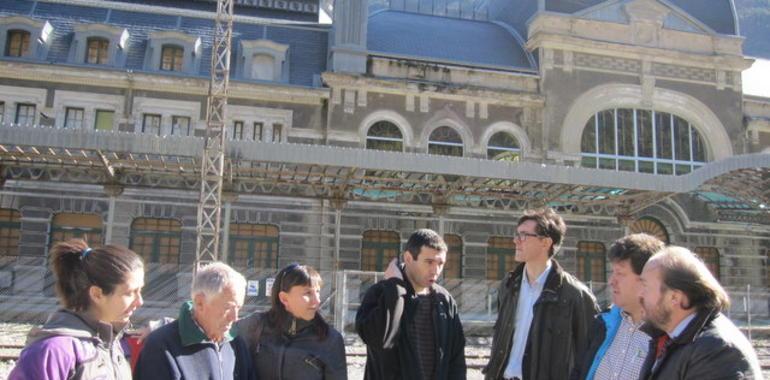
{"x": 67, "y": 323}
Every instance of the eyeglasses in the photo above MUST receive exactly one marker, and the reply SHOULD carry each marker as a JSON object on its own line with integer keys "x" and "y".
{"x": 522, "y": 236}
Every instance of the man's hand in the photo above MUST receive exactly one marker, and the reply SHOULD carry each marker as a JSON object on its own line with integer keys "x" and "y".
{"x": 393, "y": 270}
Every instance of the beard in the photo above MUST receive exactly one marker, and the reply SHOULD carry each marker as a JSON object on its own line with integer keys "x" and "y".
{"x": 659, "y": 316}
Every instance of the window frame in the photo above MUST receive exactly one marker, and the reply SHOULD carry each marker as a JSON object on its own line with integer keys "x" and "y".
{"x": 605, "y": 153}
{"x": 10, "y": 229}
{"x": 589, "y": 256}
{"x": 176, "y": 63}
{"x": 145, "y": 116}
{"x": 61, "y": 232}
{"x": 381, "y": 244}
{"x": 28, "y": 106}
{"x": 102, "y": 50}
{"x": 437, "y": 144}
{"x": 375, "y": 140}
{"x": 71, "y": 122}
{"x": 22, "y": 51}
{"x": 503, "y": 256}
{"x": 173, "y": 233}
{"x": 270, "y": 256}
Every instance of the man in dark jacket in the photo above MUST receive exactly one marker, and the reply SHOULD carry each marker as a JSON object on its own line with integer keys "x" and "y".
{"x": 617, "y": 346}
{"x": 544, "y": 313}
{"x": 692, "y": 339}
{"x": 200, "y": 345}
{"x": 409, "y": 323}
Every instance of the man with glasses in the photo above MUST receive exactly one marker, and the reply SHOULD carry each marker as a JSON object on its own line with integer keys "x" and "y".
{"x": 544, "y": 313}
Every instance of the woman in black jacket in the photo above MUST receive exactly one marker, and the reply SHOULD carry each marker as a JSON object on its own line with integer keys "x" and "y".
{"x": 291, "y": 341}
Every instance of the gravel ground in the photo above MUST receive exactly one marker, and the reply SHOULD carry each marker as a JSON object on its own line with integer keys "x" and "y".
{"x": 476, "y": 351}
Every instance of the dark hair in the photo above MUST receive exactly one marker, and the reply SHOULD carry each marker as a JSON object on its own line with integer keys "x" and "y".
{"x": 637, "y": 248}
{"x": 289, "y": 277}
{"x": 682, "y": 270}
{"x": 78, "y": 267}
{"x": 547, "y": 224}
{"x": 424, "y": 237}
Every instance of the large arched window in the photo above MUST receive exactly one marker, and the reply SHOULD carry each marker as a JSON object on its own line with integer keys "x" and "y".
{"x": 591, "y": 261}
{"x": 253, "y": 246}
{"x": 66, "y": 226}
{"x": 504, "y": 147}
{"x": 378, "y": 248}
{"x": 384, "y": 135}
{"x": 445, "y": 141}
{"x": 652, "y": 227}
{"x": 643, "y": 141}
{"x": 157, "y": 240}
{"x": 501, "y": 256}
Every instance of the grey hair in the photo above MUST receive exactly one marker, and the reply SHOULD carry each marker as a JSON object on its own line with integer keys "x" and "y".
{"x": 213, "y": 278}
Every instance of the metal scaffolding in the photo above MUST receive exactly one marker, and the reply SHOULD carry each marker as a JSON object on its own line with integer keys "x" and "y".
{"x": 213, "y": 159}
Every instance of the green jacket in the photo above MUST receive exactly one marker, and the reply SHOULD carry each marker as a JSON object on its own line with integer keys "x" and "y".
{"x": 560, "y": 326}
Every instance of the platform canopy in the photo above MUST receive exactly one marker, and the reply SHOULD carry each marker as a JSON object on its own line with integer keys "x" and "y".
{"x": 737, "y": 188}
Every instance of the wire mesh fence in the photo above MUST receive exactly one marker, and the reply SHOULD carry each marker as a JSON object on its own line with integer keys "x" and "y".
{"x": 27, "y": 295}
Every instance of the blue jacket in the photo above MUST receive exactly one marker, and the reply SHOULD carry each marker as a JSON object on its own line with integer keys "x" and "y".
{"x": 180, "y": 350}
{"x": 603, "y": 332}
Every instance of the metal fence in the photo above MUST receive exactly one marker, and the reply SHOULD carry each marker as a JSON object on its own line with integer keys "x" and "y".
{"x": 27, "y": 296}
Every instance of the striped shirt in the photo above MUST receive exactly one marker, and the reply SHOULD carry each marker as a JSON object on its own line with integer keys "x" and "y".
{"x": 625, "y": 356}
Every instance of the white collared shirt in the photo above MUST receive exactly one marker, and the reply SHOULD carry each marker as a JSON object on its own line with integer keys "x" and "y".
{"x": 528, "y": 295}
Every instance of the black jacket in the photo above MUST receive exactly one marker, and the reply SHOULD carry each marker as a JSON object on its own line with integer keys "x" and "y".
{"x": 710, "y": 347}
{"x": 559, "y": 331}
{"x": 390, "y": 351}
{"x": 302, "y": 356}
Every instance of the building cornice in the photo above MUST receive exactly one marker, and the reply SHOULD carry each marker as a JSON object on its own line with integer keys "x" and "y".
{"x": 66, "y": 74}
{"x": 434, "y": 90}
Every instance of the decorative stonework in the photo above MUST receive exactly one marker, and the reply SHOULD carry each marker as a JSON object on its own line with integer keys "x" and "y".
{"x": 606, "y": 63}
{"x": 683, "y": 72}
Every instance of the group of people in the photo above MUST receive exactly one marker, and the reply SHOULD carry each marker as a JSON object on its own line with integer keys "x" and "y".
{"x": 665, "y": 322}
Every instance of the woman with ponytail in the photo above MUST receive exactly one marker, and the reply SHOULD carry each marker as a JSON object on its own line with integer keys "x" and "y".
{"x": 291, "y": 341}
{"x": 98, "y": 290}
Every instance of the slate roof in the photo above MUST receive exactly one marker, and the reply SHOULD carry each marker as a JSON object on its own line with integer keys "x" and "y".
{"x": 307, "y": 44}
{"x": 444, "y": 39}
{"x": 718, "y": 15}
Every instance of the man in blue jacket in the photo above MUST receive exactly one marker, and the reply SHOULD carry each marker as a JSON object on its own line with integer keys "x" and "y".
{"x": 200, "y": 344}
{"x": 617, "y": 348}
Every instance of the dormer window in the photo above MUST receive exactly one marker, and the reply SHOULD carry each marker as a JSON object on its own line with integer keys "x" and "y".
{"x": 17, "y": 44}
{"x": 173, "y": 51}
{"x": 97, "y": 51}
{"x": 263, "y": 60}
{"x": 172, "y": 57}
{"x": 23, "y": 37}
{"x": 99, "y": 44}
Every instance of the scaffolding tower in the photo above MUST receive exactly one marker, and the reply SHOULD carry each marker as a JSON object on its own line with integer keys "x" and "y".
{"x": 213, "y": 160}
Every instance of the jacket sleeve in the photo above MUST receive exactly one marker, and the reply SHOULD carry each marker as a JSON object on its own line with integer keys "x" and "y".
{"x": 378, "y": 320}
{"x": 338, "y": 368}
{"x": 49, "y": 359}
{"x": 586, "y": 310}
{"x": 584, "y": 359}
{"x": 457, "y": 367}
{"x": 155, "y": 361}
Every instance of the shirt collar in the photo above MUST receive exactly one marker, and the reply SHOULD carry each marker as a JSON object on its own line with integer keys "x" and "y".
{"x": 681, "y": 326}
{"x": 540, "y": 281}
{"x": 190, "y": 332}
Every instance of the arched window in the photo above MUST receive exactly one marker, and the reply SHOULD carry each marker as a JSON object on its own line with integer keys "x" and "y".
{"x": 10, "y": 232}
{"x": 504, "y": 147}
{"x": 501, "y": 256}
{"x": 454, "y": 256}
{"x": 591, "y": 261}
{"x": 97, "y": 50}
{"x": 72, "y": 225}
{"x": 378, "y": 248}
{"x": 17, "y": 44}
{"x": 643, "y": 141}
{"x": 652, "y": 227}
{"x": 384, "y": 135}
{"x": 156, "y": 240}
{"x": 171, "y": 58}
{"x": 263, "y": 67}
{"x": 710, "y": 257}
{"x": 445, "y": 141}
{"x": 253, "y": 246}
